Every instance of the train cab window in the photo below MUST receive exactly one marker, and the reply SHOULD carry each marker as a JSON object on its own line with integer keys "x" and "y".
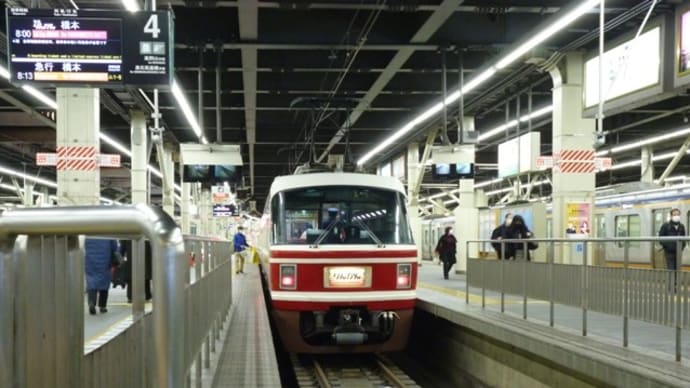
{"x": 340, "y": 215}
{"x": 628, "y": 226}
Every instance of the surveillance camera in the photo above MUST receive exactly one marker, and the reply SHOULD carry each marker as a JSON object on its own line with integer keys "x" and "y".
{"x": 599, "y": 140}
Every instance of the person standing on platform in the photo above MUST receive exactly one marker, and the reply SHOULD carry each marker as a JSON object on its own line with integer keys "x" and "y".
{"x": 100, "y": 255}
{"x": 240, "y": 244}
{"x": 500, "y": 233}
{"x": 446, "y": 249}
{"x": 673, "y": 228}
{"x": 518, "y": 230}
{"x": 126, "y": 250}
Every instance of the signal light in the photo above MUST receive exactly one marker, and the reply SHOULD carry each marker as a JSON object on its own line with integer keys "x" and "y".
{"x": 288, "y": 276}
{"x": 404, "y": 279}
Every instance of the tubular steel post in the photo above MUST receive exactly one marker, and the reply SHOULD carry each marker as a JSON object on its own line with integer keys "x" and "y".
{"x": 483, "y": 283}
{"x": 584, "y": 289}
{"x": 524, "y": 279}
{"x": 678, "y": 294}
{"x": 467, "y": 278}
{"x": 210, "y": 345}
{"x": 168, "y": 262}
{"x": 503, "y": 294}
{"x": 551, "y": 282}
{"x": 625, "y": 293}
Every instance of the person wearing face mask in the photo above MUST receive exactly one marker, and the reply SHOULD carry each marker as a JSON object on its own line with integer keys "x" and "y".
{"x": 500, "y": 233}
{"x": 518, "y": 230}
{"x": 446, "y": 250}
{"x": 672, "y": 228}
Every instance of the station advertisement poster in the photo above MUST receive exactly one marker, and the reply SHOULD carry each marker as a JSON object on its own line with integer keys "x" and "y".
{"x": 577, "y": 218}
{"x": 684, "y": 43}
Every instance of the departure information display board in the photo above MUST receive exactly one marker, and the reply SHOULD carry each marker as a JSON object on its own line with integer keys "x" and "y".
{"x": 67, "y": 46}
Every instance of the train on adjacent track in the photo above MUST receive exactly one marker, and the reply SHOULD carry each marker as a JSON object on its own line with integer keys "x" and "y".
{"x": 635, "y": 214}
{"x": 340, "y": 262}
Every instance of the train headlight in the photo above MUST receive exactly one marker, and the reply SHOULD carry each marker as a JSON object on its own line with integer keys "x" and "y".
{"x": 404, "y": 279}
{"x": 288, "y": 276}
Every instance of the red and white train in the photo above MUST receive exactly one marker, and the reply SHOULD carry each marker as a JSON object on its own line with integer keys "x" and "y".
{"x": 341, "y": 262}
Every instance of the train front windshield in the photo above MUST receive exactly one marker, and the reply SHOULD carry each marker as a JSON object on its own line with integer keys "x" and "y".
{"x": 340, "y": 215}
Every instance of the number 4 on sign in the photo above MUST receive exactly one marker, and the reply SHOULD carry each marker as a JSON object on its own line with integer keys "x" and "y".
{"x": 151, "y": 26}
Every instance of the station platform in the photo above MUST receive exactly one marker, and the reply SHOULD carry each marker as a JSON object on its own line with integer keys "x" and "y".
{"x": 650, "y": 353}
{"x": 248, "y": 358}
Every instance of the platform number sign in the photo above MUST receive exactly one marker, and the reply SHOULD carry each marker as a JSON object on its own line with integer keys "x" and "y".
{"x": 149, "y": 49}
{"x": 90, "y": 47}
{"x": 151, "y": 26}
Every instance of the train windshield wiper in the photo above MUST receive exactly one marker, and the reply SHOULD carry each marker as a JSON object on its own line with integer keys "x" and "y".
{"x": 373, "y": 235}
{"x": 325, "y": 233}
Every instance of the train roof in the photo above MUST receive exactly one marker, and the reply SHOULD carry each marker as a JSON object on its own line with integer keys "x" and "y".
{"x": 289, "y": 182}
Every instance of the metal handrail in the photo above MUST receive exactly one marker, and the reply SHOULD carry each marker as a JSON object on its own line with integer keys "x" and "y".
{"x": 168, "y": 260}
{"x": 676, "y": 293}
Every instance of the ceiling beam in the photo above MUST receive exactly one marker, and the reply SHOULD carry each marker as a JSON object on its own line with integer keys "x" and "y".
{"x": 432, "y": 24}
{"x": 253, "y": 45}
{"x": 248, "y": 16}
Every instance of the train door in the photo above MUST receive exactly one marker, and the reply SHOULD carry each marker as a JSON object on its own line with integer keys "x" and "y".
{"x": 659, "y": 216}
{"x": 599, "y": 247}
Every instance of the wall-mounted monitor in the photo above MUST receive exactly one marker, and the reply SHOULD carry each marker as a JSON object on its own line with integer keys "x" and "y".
{"x": 227, "y": 173}
{"x": 197, "y": 173}
{"x": 443, "y": 170}
{"x": 464, "y": 170}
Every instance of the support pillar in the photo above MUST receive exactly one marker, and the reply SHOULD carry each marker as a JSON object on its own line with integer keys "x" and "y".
{"x": 571, "y": 132}
{"x": 169, "y": 184}
{"x": 466, "y": 213}
{"x": 138, "y": 134}
{"x": 184, "y": 205}
{"x": 647, "y": 165}
{"x": 205, "y": 216}
{"x": 414, "y": 173}
{"x": 78, "y": 130}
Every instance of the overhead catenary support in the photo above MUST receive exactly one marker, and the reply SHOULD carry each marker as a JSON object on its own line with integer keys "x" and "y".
{"x": 248, "y": 15}
{"x": 444, "y": 86}
{"x": 461, "y": 100}
{"x": 428, "y": 29}
{"x": 219, "y": 70}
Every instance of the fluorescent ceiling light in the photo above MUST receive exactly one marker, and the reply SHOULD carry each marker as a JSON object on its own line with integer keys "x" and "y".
{"x": 4, "y": 72}
{"x": 40, "y": 96}
{"x": 44, "y": 182}
{"x": 503, "y": 127}
{"x": 485, "y": 75}
{"x": 131, "y": 5}
{"x": 113, "y": 143}
{"x": 476, "y": 81}
{"x": 644, "y": 142}
{"x": 547, "y": 33}
{"x": 186, "y": 110}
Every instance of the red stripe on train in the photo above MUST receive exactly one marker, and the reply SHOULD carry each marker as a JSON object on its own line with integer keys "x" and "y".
{"x": 358, "y": 254}
{"x": 310, "y": 277}
{"x": 324, "y": 306}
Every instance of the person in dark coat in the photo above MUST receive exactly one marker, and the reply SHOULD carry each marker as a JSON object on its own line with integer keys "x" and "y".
{"x": 99, "y": 254}
{"x": 500, "y": 233}
{"x": 126, "y": 250}
{"x": 673, "y": 228}
{"x": 446, "y": 249}
{"x": 518, "y": 230}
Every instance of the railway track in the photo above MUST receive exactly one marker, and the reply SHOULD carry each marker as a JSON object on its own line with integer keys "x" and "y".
{"x": 348, "y": 370}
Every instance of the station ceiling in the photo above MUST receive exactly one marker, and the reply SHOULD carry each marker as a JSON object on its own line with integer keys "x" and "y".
{"x": 303, "y": 79}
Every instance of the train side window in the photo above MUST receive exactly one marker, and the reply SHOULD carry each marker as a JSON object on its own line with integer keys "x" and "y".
{"x": 659, "y": 216}
{"x": 628, "y": 226}
{"x": 600, "y": 225}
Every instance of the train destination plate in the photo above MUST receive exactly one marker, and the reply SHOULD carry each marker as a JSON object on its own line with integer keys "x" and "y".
{"x": 347, "y": 277}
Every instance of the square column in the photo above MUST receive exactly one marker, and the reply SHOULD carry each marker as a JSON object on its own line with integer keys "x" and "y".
{"x": 78, "y": 145}
{"x": 574, "y": 177}
{"x": 414, "y": 173}
{"x": 139, "y": 149}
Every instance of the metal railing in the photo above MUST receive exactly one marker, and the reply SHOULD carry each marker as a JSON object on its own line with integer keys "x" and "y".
{"x": 42, "y": 300}
{"x": 652, "y": 295}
